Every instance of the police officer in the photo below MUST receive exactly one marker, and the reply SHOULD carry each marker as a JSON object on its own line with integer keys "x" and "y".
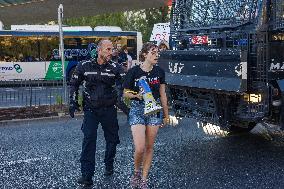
{"x": 99, "y": 97}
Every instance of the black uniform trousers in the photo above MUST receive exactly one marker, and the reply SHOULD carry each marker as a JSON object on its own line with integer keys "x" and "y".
{"x": 107, "y": 116}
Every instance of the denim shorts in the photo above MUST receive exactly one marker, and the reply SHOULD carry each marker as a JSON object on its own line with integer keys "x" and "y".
{"x": 136, "y": 115}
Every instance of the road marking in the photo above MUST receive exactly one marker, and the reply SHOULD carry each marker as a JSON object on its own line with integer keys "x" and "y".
{"x": 24, "y": 161}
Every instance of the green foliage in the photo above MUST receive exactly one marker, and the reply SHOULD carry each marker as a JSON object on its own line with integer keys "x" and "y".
{"x": 80, "y": 100}
{"x": 141, "y": 20}
{"x": 59, "y": 100}
{"x": 144, "y": 20}
{"x": 112, "y": 19}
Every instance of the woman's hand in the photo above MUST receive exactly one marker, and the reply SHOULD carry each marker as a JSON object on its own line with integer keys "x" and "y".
{"x": 170, "y": 120}
{"x": 139, "y": 96}
{"x": 132, "y": 94}
{"x": 166, "y": 121}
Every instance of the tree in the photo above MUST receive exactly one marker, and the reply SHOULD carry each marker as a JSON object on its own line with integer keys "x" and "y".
{"x": 141, "y": 20}
{"x": 113, "y": 19}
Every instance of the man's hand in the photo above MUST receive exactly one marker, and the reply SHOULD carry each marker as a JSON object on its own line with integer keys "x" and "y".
{"x": 72, "y": 108}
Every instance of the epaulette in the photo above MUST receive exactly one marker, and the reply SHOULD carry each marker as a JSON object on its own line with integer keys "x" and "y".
{"x": 86, "y": 61}
{"x": 114, "y": 64}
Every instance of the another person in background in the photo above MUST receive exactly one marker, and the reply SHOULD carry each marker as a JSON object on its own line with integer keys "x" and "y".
{"x": 145, "y": 127}
{"x": 122, "y": 57}
{"x": 115, "y": 52}
{"x": 129, "y": 60}
{"x": 99, "y": 97}
{"x": 163, "y": 45}
{"x": 118, "y": 47}
{"x": 126, "y": 58}
{"x": 120, "y": 101}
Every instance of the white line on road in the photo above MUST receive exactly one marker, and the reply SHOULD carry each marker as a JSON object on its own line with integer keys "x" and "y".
{"x": 24, "y": 161}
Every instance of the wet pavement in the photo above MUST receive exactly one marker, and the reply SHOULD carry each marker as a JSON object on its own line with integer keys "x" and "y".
{"x": 45, "y": 154}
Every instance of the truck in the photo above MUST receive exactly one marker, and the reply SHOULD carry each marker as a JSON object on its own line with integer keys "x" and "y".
{"x": 225, "y": 65}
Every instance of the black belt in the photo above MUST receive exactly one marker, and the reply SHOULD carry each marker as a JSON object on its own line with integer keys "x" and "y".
{"x": 101, "y": 103}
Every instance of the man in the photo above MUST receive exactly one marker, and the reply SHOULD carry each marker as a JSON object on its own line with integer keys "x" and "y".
{"x": 99, "y": 97}
{"x": 118, "y": 46}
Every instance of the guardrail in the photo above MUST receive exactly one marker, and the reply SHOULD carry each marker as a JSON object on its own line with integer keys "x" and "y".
{"x": 31, "y": 98}
{"x": 30, "y": 93}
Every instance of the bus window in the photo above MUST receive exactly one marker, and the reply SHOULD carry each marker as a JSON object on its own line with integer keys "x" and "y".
{"x": 28, "y": 47}
{"x": 49, "y": 48}
{"x": 19, "y": 49}
{"x": 132, "y": 48}
{"x": 8, "y": 49}
{"x": 89, "y": 43}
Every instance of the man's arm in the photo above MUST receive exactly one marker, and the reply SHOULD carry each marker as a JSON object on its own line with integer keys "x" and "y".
{"x": 75, "y": 82}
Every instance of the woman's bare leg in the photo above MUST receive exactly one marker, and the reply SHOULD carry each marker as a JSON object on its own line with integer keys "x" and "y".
{"x": 138, "y": 133}
{"x": 151, "y": 133}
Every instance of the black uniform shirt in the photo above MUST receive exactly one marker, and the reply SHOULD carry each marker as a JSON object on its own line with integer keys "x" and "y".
{"x": 98, "y": 82}
{"x": 154, "y": 78}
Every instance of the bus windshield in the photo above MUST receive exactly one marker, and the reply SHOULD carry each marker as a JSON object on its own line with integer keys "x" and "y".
{"x": 206, "y": 13}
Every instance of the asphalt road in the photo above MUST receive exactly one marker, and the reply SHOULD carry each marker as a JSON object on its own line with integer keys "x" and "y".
{"x": 45, "y": 154}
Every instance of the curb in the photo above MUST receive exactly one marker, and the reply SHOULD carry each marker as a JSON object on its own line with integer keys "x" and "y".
{"x": 23, "y": 121}
{"x": 53, "y": 118}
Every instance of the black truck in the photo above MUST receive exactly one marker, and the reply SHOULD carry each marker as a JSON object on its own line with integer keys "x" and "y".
{"x": 225, "y": 65}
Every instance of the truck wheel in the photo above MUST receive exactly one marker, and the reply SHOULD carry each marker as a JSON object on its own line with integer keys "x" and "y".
{"x": 237, "y": 129}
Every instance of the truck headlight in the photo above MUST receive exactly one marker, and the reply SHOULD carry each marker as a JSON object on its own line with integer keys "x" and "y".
{"x": 254, "y": 98}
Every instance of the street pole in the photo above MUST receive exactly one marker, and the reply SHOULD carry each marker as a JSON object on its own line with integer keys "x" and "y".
{"x": 1, "y": 25}
{"x": 61, "y": 49}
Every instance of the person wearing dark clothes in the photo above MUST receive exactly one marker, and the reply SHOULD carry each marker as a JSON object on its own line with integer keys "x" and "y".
{"x": 99, "y": 98}
{"x": 122, "y": 57}
{"x": 120, "y": 103}
{"x": 145, "y": 127}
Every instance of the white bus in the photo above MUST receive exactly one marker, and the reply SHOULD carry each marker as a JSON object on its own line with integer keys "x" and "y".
{"x": 34, "y": 54}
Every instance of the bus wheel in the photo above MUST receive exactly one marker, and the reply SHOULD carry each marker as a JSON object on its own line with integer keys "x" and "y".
{"x": 247, "y": 127}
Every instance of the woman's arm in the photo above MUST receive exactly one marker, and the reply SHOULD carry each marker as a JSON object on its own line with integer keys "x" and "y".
{"x": 127, "y": 93}
{"x": 164, "y": 100}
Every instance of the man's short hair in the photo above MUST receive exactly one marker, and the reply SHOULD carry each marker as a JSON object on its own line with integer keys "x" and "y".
{"x": 101, "y": 42}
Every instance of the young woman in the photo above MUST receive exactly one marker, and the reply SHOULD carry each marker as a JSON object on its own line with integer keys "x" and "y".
{"x": 145, "y": 128}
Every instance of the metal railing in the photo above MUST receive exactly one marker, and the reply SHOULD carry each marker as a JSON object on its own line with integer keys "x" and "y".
{"x": 25, "y": 93}
{"x": 31, "y": 98}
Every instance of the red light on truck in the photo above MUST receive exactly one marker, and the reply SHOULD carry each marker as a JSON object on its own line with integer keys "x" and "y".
{"x": 199, "y": 40}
